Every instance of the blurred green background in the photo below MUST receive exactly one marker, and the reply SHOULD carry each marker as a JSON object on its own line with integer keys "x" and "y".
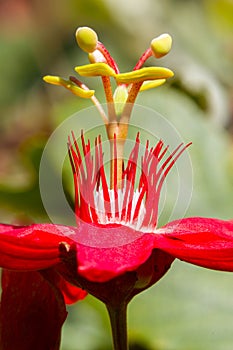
{"x": 190, "y": 308}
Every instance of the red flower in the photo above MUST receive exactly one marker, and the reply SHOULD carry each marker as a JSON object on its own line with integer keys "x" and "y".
{"x": 116, "y": 229}
{"x": 116, "y": 250}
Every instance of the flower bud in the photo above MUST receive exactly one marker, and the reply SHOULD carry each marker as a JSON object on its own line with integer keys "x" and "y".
{"x": 87, "y": 39}
{"x": 161, "y": 45}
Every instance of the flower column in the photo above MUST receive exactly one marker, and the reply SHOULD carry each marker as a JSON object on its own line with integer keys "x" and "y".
{"x": 119, "y": 106}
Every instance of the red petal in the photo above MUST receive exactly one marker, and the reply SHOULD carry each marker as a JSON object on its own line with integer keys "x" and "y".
{"x": 32, "y": 312}
{"x": 200, "y": 241}
{"x": 31, "y": 247}
{"x": 111, "y": 250}
{"x": 71, "y": 293}
{"x": 116, "y": 274}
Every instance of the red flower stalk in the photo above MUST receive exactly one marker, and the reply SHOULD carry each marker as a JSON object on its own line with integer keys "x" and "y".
{"x": 115, "y": 251}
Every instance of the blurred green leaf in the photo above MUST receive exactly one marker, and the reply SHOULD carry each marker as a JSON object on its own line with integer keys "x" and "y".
{"x": 189, "y": 308}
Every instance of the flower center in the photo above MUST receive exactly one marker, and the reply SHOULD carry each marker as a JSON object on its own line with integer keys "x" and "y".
{"x": 136, "y": 202}
{"x": 117, "y": 209}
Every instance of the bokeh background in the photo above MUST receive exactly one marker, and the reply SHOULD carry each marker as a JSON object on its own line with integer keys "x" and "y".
{"x": 190, "y": 308}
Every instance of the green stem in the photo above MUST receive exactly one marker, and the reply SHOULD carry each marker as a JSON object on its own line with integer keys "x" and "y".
{"x": 118, "y": 318}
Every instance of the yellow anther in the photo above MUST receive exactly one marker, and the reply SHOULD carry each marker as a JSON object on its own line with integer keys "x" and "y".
{"x": 54, "y": 80}
{"x": 140, "y": 75}
{"x": 95, "y": 69}
{"x": 69, "y": 85}
{"x": 161, "y": 45}
{"x": 152, "y": 84}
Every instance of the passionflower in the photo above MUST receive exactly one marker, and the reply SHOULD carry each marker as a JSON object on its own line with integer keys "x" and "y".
{"x": 116, "y": 250}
